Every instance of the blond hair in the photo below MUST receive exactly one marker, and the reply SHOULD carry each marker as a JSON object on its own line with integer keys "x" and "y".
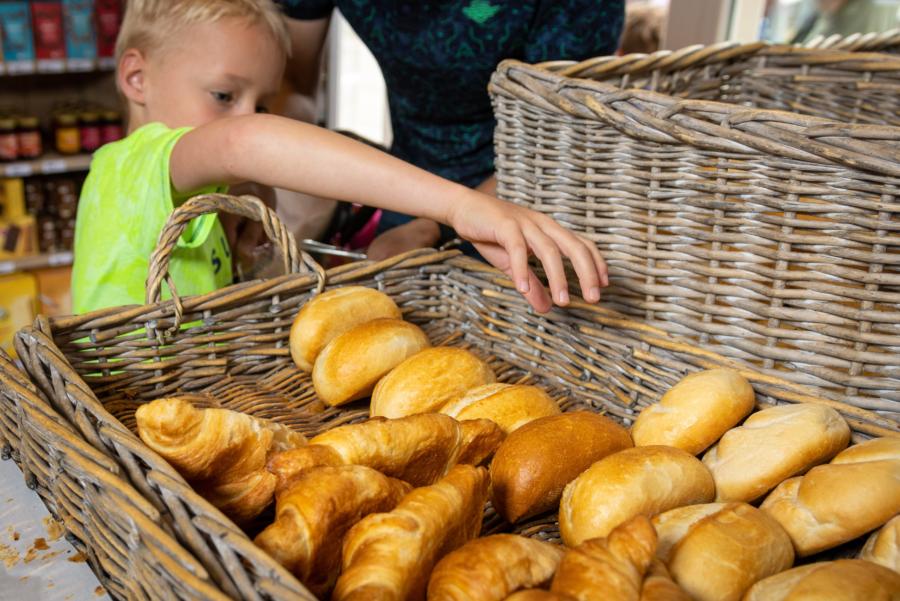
{"x": 151, "y": 25}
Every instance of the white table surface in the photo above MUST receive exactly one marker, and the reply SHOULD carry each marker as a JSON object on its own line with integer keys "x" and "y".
{"x": 41, "y": 565}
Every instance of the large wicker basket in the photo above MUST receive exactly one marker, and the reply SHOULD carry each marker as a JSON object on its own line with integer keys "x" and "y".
{"x": 92, "y": 372}
{"x": 762, "y": 235}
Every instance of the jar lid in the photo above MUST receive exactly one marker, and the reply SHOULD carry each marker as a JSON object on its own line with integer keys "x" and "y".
{"x": 66, "y": 119}
{"x": 7, "y": 123}
{"x": 112, "y": 115}
{"x": 29, "y": 122}
{"x": 89, "y": 117}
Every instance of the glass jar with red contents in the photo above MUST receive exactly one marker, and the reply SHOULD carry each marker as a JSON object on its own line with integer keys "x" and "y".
{"x": 111, "y": 130}
{"x": 29, "y": 134}
{"x": 90, "y": 131}
{"x": 9, "y": 142}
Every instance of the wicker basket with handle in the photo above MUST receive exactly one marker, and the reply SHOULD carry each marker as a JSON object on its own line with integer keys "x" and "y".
{"x": 765, "y": 236}
{"x": 231, "y": 351}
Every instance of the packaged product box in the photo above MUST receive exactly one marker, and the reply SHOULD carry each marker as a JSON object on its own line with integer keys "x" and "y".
{"x": 12, "y": 198}
{"x": 18, "y": 306}
{"x": 55, "y": 290}
{"x": 81, "y": 44}
{"x": 108, "y": 14}
{"x": 18, "y": 237}
{"x": 49, "y": 33}
{"x": 15, "y": 32}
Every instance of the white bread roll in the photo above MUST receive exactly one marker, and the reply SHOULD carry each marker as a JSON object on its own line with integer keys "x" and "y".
{"x": 883, "y": 547}
{"x": 508, "y": 406}
{"x": 350, "y": 366}
{"x": 425, "y": 381}
{"x": 332, "y": 313}
{"x": 715, "y": 552}
{"x": 696, "y": 412}
{"x": 773, "y": 445}
{"x": 642, "y": 480}
{"x": 842, "y": 580}
{"x": 534, "y": 463}
{"x": 834, "y": 503}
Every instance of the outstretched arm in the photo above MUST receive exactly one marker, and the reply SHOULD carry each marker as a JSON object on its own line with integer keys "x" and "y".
{"x": 297, "y": 156}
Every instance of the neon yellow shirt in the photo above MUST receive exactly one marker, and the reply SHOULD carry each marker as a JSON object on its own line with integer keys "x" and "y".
{"x": 124, "y": 204}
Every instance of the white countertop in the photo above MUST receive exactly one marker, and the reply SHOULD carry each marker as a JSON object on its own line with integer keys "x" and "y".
{"x": 36, "y": 561}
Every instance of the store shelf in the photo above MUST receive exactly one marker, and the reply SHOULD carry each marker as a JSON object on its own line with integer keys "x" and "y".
{"x": 47, "y": 164}
{"x": 71, "y": 65}
{"x": 37, "y": 262}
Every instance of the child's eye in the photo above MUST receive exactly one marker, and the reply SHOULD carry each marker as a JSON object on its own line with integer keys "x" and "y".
{"x": 222, "y": 96}
{"x": 262, "y": 109}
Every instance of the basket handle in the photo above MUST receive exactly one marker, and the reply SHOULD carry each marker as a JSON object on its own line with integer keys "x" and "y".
{"x": 295, "y": 261}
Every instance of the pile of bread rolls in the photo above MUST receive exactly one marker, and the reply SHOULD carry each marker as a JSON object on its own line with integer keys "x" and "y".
{"x": 698, "y": 501}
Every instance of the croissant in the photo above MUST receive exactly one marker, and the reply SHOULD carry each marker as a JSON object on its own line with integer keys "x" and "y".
{"x": 659, "y": 586}
{"x": 611, "y": 567}
{"x": 419, "y": 449}
{"x": 221, "y": 453}
{"x": 389, "y": 556}
{"x": 493, "y": 567}
{"x": 316, "y": 511}
{"x": 536, "y": 594}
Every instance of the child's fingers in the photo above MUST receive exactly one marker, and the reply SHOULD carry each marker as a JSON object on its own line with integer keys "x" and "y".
{"x": 517, "y": 249}
{"x": 576, "y": 249}
{"x": 537, "y": 295}
{"x": 546, "y": 249}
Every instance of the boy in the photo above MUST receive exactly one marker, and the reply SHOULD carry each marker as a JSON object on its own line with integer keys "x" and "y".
{"x": 198, "y": 76}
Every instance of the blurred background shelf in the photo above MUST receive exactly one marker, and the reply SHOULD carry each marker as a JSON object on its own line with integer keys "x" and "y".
{"x": 41, "y": 261}
{"x": 49, "y": 163}
{"x": 50, "y": 66}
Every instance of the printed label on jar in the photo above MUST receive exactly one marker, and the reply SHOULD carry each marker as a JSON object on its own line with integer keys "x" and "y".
{"x": 90, "y": 138}
{"x": 9, "y": 147}
{"x": 29, "y": 144}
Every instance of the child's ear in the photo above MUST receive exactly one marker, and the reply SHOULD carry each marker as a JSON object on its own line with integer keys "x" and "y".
{"x": 132, "y": 67}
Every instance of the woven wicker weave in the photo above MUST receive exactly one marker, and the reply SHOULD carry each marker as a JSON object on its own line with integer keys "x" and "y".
{"x": 232, "y": 352}
{"x": 889, "y": 41}
{"x": 765, "y": 236}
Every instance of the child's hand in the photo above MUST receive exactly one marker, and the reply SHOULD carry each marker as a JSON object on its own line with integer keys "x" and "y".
{"x": 506, "y": 235}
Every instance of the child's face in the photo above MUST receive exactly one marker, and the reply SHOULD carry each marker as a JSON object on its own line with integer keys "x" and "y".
{"x": 222, "y": 69}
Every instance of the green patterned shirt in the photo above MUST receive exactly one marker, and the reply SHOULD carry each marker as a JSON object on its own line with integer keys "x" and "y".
{"x": 124, "y": 204}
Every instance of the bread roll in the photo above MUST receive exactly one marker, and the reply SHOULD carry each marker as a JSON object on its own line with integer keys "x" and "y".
{"x": 536, "y": 594}
{"x": 696, "y": 412}
{"x": 316, "y": 511}
{"x": 508, "y": 406}
{"x": 391, "y": 555}
{"x": 834, "y": 503}
{"x": 221, "y": 453}
{"x": 659, "y": 586}
{"x": 535, "y": 462}
{"x": 883, "y": 547}
{"x": 493, "y": 567}
{"x": 419, "y": 449}
{"x": 611, "y": 567}
{"x": 715, "y": 552}
{"x": 425, "y": 381}
{"x": 350, "y": 366}
{"x": 639, "y": 481}
{"x": 842, "y": 580}
{"x": 773, "y": 445}
{"x": 332, "y": 313}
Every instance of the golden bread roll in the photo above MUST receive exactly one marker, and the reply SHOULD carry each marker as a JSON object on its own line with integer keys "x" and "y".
{"x": 509, "y": 406}
{"x": 221, "y": 453}
{"x": 638, "y": 481}
{"x": 883, "y": 547}
{"x": 425, "y": 381}
{"x": 611, "y": 567}
{"x": 696, "y": 412}
{"x": 534, "y": 463}
{"x": 715, "y": 552}
{"x": 350, "y": 366}
{"x": 391, "y": 555}
{"x": 659, "y": 586}
{"x": 841, "y": 580}
{"x": 332, "y": 313}
{"x": 493, "y": 567}
{"x": 419, "y": 449}
{"x": 316, "y": 511}
{"x": 836, "y": 502}
{"x": 773, "y": 445}
{"x": 536, "y": 594}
